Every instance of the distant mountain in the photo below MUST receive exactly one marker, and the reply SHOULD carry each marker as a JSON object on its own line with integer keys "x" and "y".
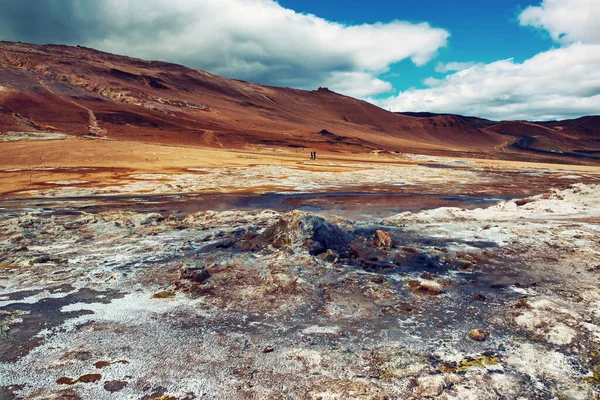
{"x": 476, "y": 122}
{"x": 575, "y": 138}
{"x": 86, "y": 92}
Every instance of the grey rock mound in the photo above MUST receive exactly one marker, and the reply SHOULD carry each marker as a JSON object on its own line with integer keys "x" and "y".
{"x": 298, "y": 229}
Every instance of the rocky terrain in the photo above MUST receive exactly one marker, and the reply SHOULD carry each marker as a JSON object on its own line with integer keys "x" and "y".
{"x": 496, "y": 302}
{"x": 164, "y": 236}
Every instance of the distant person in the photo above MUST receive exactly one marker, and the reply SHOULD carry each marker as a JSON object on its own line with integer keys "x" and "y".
{"x": 312, "y": 155}
{"x": 315, "y": 156}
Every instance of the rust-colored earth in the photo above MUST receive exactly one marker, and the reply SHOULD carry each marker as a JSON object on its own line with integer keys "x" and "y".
{"x": 87, "y": 93}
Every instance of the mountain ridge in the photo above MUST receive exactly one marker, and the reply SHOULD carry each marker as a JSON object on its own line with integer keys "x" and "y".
{"x": 86, "y": 92}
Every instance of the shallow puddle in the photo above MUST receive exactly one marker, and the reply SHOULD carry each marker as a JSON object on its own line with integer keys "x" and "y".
{"x": 353, "y": 205}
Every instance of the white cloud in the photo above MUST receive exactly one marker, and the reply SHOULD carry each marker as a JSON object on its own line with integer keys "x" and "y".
{"x": 357, "y": 84}
{"x": 559, "y": 83}
{"x": 259, "y": 40}
{"x": 453, "y": 66}
{"x": 566, "y": 21}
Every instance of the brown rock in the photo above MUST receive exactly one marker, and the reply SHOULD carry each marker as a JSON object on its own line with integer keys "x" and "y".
{"x": 114, "y": 386}
{"x": 410, "y": 251}
{"x": 102, "y": 364}
{"x": 428, "y": 276}
{"x": 65, "y": 380}
{"x": 478, "y": 335}
{"x": 383, "y": 240}
{"x": 165, "y": 294}
{"x": 268, "y": 349}
{"x": 89, "y": 378}
{"x": 365, "y": 251}
{"x": 425, "y": 287}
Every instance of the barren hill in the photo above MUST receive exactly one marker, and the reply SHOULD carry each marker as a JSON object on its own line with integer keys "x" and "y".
{"x": 576, "y": 138}
{"x": 81, "y": 91}
{"x": 85, "y": 92}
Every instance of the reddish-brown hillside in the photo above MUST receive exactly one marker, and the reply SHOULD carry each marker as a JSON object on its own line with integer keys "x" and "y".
{"x": 86, "y": 92}
{"x": 584, "y": 127}
{"x": 83, "y": 91}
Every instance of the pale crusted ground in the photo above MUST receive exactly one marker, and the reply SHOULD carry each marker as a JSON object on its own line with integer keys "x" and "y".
{"x": 79, "y": 167}
{"x": 19, "y": 136}
{"x": 280, "y": 317}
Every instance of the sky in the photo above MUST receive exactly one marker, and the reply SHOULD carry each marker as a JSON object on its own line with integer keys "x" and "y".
{"x": 498, "y": 59}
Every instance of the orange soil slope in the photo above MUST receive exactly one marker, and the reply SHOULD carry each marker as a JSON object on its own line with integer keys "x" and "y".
{"x": 83, "y": 91}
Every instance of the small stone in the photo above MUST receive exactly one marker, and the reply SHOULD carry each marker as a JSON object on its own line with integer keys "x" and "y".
{"x": 478, "y": 335}
{"x": 165, "y": 294}
{"x": 268, "y": 349}
{"x": 102, "y": 364}
{"x": 114, "y": 386}
{"x": 428, "y": 276}
{"x": 594, "y": 269}
{"x": 431, "y": 385}
{"x": 331, "y": 256}
{"x": 89, "y": 378}
{"x": 366, "y": 251}
{"x": 383, "y": 240}
{"x": 65, "y": 380}
{"x": 425, "y": 287}
{"x": 196, "y": 274}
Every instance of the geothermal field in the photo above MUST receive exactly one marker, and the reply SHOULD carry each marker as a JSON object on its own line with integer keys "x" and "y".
{"x": 158, "y": 243}
{"x": 404, "y": 277}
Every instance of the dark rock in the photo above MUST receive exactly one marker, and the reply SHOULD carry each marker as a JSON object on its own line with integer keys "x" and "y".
{"x": 48, "y": 259}
{"x": 428, "y": 276}
{"x": 594, "y": 269}
{"x": 102, "y": 364}
{"x": 364, "y": 251}
{"x": 464, "y": 265}
{"x": 248, "y": 242}
{"x": 114, "y": 386}
{"x": 522, "y": 202}
{"x": 301, "y": 229}
{"x": 268, "y": 349}
{"x": 377, "y": 279}
{"x": 409, "y": 251}
{"x": 480, "y": 297}
{"x": 330, "y": 256}
{"x": 196, "y": 274}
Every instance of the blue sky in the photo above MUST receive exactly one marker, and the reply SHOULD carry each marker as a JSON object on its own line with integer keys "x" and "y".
{"x": 481, "y": 30}
{"x": 499, "y": 59}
